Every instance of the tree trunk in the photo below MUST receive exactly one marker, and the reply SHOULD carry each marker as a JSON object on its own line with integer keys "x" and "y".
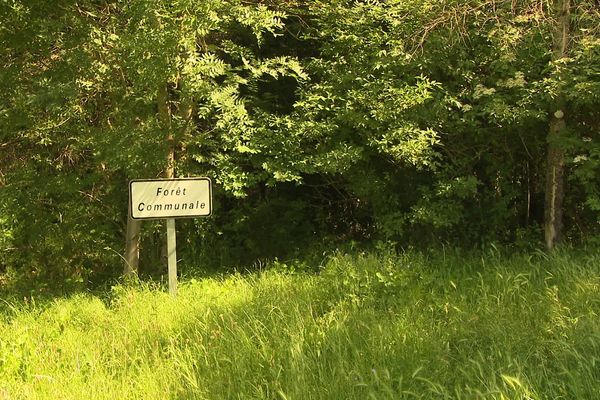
{"x": 132, "y": 245}
{"x": 553, "y": 224}
{"x": 132, "y": 240}
{"x": 164, "y": 115}
{"x": 553, "y": 212}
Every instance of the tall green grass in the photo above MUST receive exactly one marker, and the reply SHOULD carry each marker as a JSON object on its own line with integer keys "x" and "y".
{"x": 407, "y": 326}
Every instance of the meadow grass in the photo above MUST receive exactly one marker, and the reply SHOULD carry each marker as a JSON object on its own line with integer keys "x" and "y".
{"x": 386, "y": 326}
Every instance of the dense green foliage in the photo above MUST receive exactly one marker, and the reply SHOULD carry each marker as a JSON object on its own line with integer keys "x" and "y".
{"x": 383, "y": 327}
{"x": 416, "y": 122}
{"x": 441, "y": 110}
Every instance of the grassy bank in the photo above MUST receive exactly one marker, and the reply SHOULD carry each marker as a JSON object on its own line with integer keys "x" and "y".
{"x": 380, "y": 327}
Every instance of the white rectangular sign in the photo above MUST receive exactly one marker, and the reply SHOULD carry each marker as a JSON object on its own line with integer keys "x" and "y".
{"x": 170, "y": 198}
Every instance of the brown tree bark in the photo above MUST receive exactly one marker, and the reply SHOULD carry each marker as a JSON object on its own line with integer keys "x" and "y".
{"x": 555, "y": 168}
{"x": 185, "y": 111}
{"x": 553, "y": 218}
{"x": 132, "y": 245}
{"x": 132, "y": 239}
{"x": 164, "y": 115}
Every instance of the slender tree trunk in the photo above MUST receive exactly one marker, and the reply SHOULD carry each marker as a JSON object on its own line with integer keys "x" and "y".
{"x": 132, "y": 241}
{"x": 164, "y": 115}
{"x": 132, "y": 245}
{"x": 555, "y": 168}
{"x": 186, "y": 113}
{"x": 553, "y": 219}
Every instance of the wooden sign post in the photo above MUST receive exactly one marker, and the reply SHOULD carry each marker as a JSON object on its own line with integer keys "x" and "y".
{"x": 169, "y": 199}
